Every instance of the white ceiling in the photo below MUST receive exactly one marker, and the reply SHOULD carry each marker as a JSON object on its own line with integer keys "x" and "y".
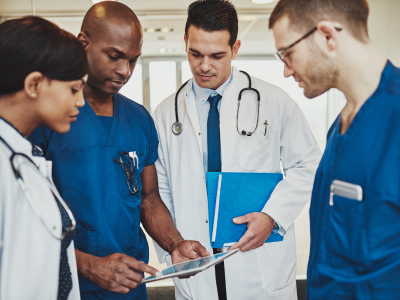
{"x": 253, "y": 24}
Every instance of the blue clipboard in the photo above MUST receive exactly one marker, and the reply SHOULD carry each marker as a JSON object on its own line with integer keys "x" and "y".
{"x": 233, "y": 195}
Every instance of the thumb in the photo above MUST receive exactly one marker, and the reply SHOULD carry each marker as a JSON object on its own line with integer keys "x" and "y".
{"x": 201, "y": 251}
{"x": 241, "y": 220}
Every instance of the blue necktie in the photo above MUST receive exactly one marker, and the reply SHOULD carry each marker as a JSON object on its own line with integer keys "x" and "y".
{"x": 214, "y": 165}
{"x": 213, "y": 135}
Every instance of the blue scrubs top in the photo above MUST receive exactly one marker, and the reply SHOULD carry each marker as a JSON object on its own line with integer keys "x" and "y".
{"x": 95, "y": 186}
{"x": 355, "y": 245}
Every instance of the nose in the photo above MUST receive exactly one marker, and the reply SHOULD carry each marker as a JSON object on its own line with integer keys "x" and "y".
{"x": 205, "y": 65}
{"x": 80, "y": 102}
{"x": 288, "y": 72}
{"x": 123, "y": 69}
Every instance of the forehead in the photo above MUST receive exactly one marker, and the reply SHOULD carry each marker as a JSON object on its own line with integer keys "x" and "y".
{"x": 208, "y": 42}
{"x": 284, "y": 33}
{"x": 121, "y": 35}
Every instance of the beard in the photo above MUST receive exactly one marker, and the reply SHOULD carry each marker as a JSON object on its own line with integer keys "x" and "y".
{"x": 321, "y": 74}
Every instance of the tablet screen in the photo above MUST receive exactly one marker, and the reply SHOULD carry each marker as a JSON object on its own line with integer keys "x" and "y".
{"x": 193, "y": 264}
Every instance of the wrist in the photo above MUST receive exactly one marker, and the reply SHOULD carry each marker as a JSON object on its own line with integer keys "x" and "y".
{"x": 174, "y": 244}
{"x": 272, "y": 221}
{"x": 84, "y": 263}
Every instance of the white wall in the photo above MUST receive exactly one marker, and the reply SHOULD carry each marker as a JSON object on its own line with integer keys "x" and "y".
{"x": 384, "y": 28}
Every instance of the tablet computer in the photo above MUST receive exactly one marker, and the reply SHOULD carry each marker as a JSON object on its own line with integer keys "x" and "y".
{"x": 190, "y": 267}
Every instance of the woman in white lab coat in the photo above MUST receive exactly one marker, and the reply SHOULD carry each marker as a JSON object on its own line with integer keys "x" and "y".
{"x": 42, "y": 73}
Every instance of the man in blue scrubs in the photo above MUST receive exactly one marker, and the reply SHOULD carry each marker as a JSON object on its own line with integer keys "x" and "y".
{"x": 104, "y": 166}
{"x": 355, "y": 245}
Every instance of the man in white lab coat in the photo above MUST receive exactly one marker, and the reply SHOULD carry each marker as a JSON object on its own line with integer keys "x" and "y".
{"x": 207, "y": 110}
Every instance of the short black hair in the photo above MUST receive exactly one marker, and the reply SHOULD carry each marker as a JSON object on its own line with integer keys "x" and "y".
{"x": 32, "y": 44}
{"x": 213, "y": 15}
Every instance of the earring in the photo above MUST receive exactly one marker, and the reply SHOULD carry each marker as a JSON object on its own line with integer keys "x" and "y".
{"x": 34, "y": 95}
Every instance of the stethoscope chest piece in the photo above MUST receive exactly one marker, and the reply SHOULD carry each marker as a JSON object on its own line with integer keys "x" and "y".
{"x": 177, "y": 128}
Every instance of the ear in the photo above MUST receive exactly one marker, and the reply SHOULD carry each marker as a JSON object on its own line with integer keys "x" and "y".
{"x": 235, "y": 49}
{"x": 84, "y": 39}
{"x": 186, "y": 42}
{"x": 330, "y": 34}
{"x": 32, "y": 84}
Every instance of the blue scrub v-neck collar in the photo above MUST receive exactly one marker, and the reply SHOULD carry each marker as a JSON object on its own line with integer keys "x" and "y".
{"x": 385, "y": 78}
{"x": 106, "y": 138}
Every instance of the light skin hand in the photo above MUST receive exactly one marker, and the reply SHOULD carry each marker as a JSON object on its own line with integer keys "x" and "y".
{"x": 117, "y": 272}
{"x": 259, "y": 228}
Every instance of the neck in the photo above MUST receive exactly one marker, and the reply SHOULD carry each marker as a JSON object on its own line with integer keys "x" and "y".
{"x": 101, "y": 103}
{"x": 360, "y": 74}
{"x": 19, "y": 112}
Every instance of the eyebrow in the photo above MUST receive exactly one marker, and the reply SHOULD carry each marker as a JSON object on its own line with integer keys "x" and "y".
{"x": 122, "y": 53}
{"x": 213, "y": 54}
{"x": 118, "y": 51}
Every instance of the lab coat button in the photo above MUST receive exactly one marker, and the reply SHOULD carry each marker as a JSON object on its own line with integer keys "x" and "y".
{"x": 206, "y": 221}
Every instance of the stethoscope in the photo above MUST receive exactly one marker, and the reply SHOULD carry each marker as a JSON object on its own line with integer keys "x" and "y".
{"x": 177, "y": 126}
{"x": 29, "y": 197}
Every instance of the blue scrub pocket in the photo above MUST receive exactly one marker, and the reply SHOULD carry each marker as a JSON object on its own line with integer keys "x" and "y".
{"x": 347, "y": 236}
{"x": 86, "y": 240}
{"x": 122, "y": 177}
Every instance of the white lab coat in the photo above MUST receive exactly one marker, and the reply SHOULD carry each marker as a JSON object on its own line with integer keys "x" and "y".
{"x": 268, "y": 272}
{"x": 29, "y": 255}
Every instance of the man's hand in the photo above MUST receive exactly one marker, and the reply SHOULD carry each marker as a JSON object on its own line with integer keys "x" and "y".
{"x": 188, "y": 250}
{"x": 259, "y": 228}
{"x": 117, "y": 272}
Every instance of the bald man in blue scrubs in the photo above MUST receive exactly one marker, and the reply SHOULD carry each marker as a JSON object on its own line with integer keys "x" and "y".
{"x": 104, "y": 166}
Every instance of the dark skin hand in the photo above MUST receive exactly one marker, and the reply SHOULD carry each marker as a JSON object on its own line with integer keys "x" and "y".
{"x": 117, "y": 272}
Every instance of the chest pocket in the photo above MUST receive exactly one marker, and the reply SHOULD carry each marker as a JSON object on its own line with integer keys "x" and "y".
{"x": 347, "y": 234}
{"x": 129, "y": 173}
{"x": 256, "y": 150}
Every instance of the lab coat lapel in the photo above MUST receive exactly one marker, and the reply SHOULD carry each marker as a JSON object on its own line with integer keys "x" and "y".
{"x": 230, "y": 139}
{"x": 191, "y": 109}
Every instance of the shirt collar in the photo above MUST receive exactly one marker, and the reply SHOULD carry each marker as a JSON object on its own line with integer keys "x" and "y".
{"x": 14, "y": 138}
{"x": 202, "y": 94}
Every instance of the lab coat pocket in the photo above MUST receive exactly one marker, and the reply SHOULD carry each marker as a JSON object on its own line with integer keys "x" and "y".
{"x": 347, "y": 235}
{"x": 125, "y": 185}
{"x": 256, "y": 150}
{"x": 277, "y": 264}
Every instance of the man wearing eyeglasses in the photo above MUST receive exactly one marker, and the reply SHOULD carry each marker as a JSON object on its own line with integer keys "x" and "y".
{"x": 355, "y": 206}
{"x": 104, "y": 166}
{"x": 215, "y": 137}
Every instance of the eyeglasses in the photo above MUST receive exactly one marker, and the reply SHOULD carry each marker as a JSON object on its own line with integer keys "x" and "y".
{"x": 17, "y": 172}
{"x": 127, "y": 165}
{"x": 279, "y": 55}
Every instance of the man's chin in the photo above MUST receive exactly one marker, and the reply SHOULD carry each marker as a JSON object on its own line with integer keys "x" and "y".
{"x": 312, "y": 93}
